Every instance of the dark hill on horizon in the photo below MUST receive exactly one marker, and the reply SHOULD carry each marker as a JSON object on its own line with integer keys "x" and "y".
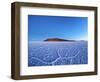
{"x": 57, "y": 39}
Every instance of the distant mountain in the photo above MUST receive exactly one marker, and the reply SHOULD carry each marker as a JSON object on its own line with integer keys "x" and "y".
{"x": 57, "y": 39}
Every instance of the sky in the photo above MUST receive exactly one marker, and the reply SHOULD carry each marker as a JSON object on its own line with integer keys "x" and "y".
{"x": 43, "y": 27}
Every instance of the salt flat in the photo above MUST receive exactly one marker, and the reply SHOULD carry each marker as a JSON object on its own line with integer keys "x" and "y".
{"x": 57, "y": 53}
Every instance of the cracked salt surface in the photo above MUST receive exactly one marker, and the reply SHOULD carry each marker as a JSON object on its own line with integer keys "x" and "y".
{"x": 57, "y": 53}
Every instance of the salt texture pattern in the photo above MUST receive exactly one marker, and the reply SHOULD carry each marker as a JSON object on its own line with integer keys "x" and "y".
{"x": 57, "y": 53}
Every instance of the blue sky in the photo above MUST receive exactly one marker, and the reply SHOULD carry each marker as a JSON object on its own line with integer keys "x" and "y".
{"x": 43, "y": 27}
